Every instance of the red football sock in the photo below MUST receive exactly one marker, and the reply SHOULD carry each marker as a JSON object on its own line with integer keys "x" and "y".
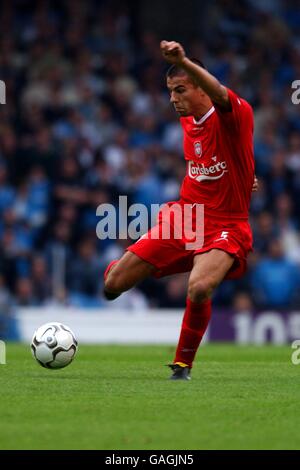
{"x": 195, "y": 321}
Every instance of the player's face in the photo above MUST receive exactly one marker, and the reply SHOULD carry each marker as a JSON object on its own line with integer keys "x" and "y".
{"x": 185, "y": 95}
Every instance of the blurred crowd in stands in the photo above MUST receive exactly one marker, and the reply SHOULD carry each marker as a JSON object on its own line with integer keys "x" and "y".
{"x": 87, "y": 118}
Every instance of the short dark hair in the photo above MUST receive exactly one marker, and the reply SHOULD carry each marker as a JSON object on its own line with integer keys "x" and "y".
{"x": 175, "y": 70}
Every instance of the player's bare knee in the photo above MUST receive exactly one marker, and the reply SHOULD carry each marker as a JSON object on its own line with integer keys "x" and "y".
{"x": 198, "y": 291}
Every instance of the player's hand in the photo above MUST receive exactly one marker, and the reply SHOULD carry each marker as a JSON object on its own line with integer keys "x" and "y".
{"x": 255, "y": 184}
{"x": 172, "y": 51}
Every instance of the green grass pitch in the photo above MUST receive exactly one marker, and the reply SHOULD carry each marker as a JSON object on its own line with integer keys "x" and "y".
{"x": 118, "y": 397}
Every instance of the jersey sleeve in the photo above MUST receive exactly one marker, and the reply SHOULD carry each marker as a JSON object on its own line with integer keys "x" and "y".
{"x": 240, "y": 112}
{"x": 183, "y": 122}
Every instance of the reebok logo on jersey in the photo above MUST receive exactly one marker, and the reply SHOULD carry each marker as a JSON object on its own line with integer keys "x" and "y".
{"x": 200, "y": 172}
{"x": 224, "y": 236}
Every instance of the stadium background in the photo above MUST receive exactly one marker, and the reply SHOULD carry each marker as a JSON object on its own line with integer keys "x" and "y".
{"x": 87, "y": 118}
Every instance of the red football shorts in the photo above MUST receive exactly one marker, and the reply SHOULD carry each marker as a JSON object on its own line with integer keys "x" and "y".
{"x": 170, "y": 255}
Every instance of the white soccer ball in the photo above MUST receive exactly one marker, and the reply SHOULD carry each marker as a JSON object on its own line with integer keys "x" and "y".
{"x": 54, "y": 345}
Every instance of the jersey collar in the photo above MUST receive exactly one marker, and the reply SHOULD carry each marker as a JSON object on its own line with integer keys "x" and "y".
{"x": 206, "y": 115}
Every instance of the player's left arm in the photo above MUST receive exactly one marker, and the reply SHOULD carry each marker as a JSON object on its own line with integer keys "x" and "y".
{"x": 174, "y": 53}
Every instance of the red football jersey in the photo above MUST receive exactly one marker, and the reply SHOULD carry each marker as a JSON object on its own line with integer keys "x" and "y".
{"x": 220, "y": 161}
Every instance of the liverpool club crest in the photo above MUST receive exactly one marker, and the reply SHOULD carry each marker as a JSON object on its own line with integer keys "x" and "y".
{"x": 198, "y": 149}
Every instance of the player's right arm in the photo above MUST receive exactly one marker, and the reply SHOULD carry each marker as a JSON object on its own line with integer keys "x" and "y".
{"x": 174, "y": 53}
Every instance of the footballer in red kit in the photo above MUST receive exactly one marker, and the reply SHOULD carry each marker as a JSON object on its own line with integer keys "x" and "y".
{"x": 219, "y": 153}
{"x": 218, "y": 149}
